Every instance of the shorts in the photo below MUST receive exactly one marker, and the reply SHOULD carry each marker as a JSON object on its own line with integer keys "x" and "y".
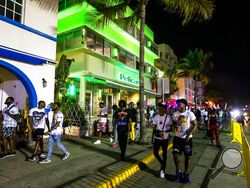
{"x": 8, "y": 131}
{"x": 180, "y": 145}
{"x": 38, "y": 134}
{"x": 101, "y": 127}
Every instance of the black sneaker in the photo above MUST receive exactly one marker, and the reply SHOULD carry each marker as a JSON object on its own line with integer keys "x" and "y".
{"x": 33, "y": 158}
{"x": 178, "y": 176}
{"x": 186, "y": 179}
{"x": 3, "y": 155}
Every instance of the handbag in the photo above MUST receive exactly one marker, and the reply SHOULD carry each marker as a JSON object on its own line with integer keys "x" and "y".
{"x": 157, "y": 133}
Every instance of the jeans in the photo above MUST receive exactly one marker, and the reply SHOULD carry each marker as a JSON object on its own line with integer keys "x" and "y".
{"x": 115, "y": 132}
{"x": 164, "y": 146}
{"x": 137, "y": 130}
{"x": 57, "y": 139}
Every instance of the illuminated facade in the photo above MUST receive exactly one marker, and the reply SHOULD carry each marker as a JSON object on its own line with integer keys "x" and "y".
{"x": 105, "y": 66}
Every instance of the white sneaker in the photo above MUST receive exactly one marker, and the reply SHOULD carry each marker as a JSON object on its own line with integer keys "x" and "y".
{"x": 111, "y": 140}
{"x": 162, "y": 174}
{"x": 98, "y": 142}
{"x": 66, "y": 155}
{"x": 42, "y": 155}
{"x": 45, "y": 161}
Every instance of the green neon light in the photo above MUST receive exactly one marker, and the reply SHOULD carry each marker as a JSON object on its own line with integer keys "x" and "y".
{"x": 71, "y": 90}
{"x": 79, "y": 16}
{"x": 115, "y": 52}
{"x": 127, "y": 78}
{"x": 93, "y": 80}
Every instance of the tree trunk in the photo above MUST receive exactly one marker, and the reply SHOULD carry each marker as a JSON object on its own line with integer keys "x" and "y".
{"x": 195, "y": 93}
{"x": 141, "y": 72}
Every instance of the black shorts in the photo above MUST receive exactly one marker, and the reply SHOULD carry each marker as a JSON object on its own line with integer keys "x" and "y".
{"x": 38, "y": 134}
{"x": 180, "y": 145}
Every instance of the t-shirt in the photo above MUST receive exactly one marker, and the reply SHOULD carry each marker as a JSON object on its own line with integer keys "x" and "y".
{"x": 103, "y": 111}
{"x": 183, "y": 121}
{"x": 122, "y": 117}
{"x": 57, "y": 117}
{"x": 158, "y": 121}
{"x": 38, "y": 118}
{"x": 7, "y": 120}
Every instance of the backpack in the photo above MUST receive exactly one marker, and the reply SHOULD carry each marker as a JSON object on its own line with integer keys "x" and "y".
{"x": 18, "y": 118}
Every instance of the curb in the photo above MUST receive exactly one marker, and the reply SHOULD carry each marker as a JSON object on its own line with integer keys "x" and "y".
{"x": 123, "y": 175}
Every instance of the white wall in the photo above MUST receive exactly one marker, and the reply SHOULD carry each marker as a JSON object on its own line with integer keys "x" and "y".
{"x": 36, "y": 74}
{"x": 40, "y": 19}
{"x": 15, "y": 89}
{"x": 103, "y": 69}
{"x": 26, "y": 41}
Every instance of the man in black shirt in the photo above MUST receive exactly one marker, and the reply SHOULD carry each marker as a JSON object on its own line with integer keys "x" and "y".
{"x": 122, "y": 121}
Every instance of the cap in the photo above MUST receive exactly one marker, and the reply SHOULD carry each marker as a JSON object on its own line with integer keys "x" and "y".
{"x": 162, "y": 105}
{"x": 184, "y": 101}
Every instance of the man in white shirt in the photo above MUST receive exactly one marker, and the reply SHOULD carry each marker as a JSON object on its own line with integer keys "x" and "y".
{"x": 55, "y": 134}
{"x": 162, "y": 126}
{"x": 9, "y": 116}
{"x": 185, "y": 123}
{"x": 38, "y": 119}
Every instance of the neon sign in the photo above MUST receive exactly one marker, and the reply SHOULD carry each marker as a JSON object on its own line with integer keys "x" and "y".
{"x": 128, "y": 79}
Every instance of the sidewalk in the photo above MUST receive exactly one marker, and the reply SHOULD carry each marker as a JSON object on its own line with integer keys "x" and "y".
{"x": 206, "y": 158}
{"x": 90, "y": 165}
{"x": 87, "y": 165}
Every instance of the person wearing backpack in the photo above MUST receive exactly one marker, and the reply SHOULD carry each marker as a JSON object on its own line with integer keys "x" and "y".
{"x": 214, "y": 127}
{"x": 10, "y": 117}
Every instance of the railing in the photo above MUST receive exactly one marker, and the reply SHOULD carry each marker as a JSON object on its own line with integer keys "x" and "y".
{"x": 239, "y": 137}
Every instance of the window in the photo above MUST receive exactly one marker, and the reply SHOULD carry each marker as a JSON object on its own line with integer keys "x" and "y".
{"x": 69, "y": 40}
{"x": 90, "y": 40}
{"x": 99, "y": 45}
{"x": 63, "y": 4}
{"x": 122, "y": 56}
{"x": 12, "y": 9}
{"x": 107, "y": 49}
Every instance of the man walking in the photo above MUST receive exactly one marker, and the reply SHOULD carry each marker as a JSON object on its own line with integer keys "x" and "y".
{"x": 162, "y": 127}
{"x": 10, "y": 116}
{"x": 102, "y": 125}
{"x": 122, "y": 120}
{"x": 185, "y": 123}
{"x": 38, "y": 119}
{"x": 55, "y": 134}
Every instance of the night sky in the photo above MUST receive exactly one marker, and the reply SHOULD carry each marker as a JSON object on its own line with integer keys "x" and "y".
{"x": 227, "y": 35}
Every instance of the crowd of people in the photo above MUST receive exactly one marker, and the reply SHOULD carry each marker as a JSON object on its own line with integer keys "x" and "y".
{"x": 38, "y": 120}
{"x": 180, "y": 120}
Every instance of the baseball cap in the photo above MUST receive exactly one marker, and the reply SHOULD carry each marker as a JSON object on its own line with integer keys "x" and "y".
{"x": 184, "y": 101}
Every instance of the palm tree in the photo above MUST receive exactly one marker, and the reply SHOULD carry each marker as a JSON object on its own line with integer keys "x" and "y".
{"x": 112, "y": 10}
{"x": 171, "y": 73}
{"x": 61, "y": 76}
{"x": 196, "y": 64}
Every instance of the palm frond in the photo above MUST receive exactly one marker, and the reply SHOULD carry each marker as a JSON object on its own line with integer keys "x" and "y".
{"x": 51, "y": 5}
{"x": 199, "y": 10}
